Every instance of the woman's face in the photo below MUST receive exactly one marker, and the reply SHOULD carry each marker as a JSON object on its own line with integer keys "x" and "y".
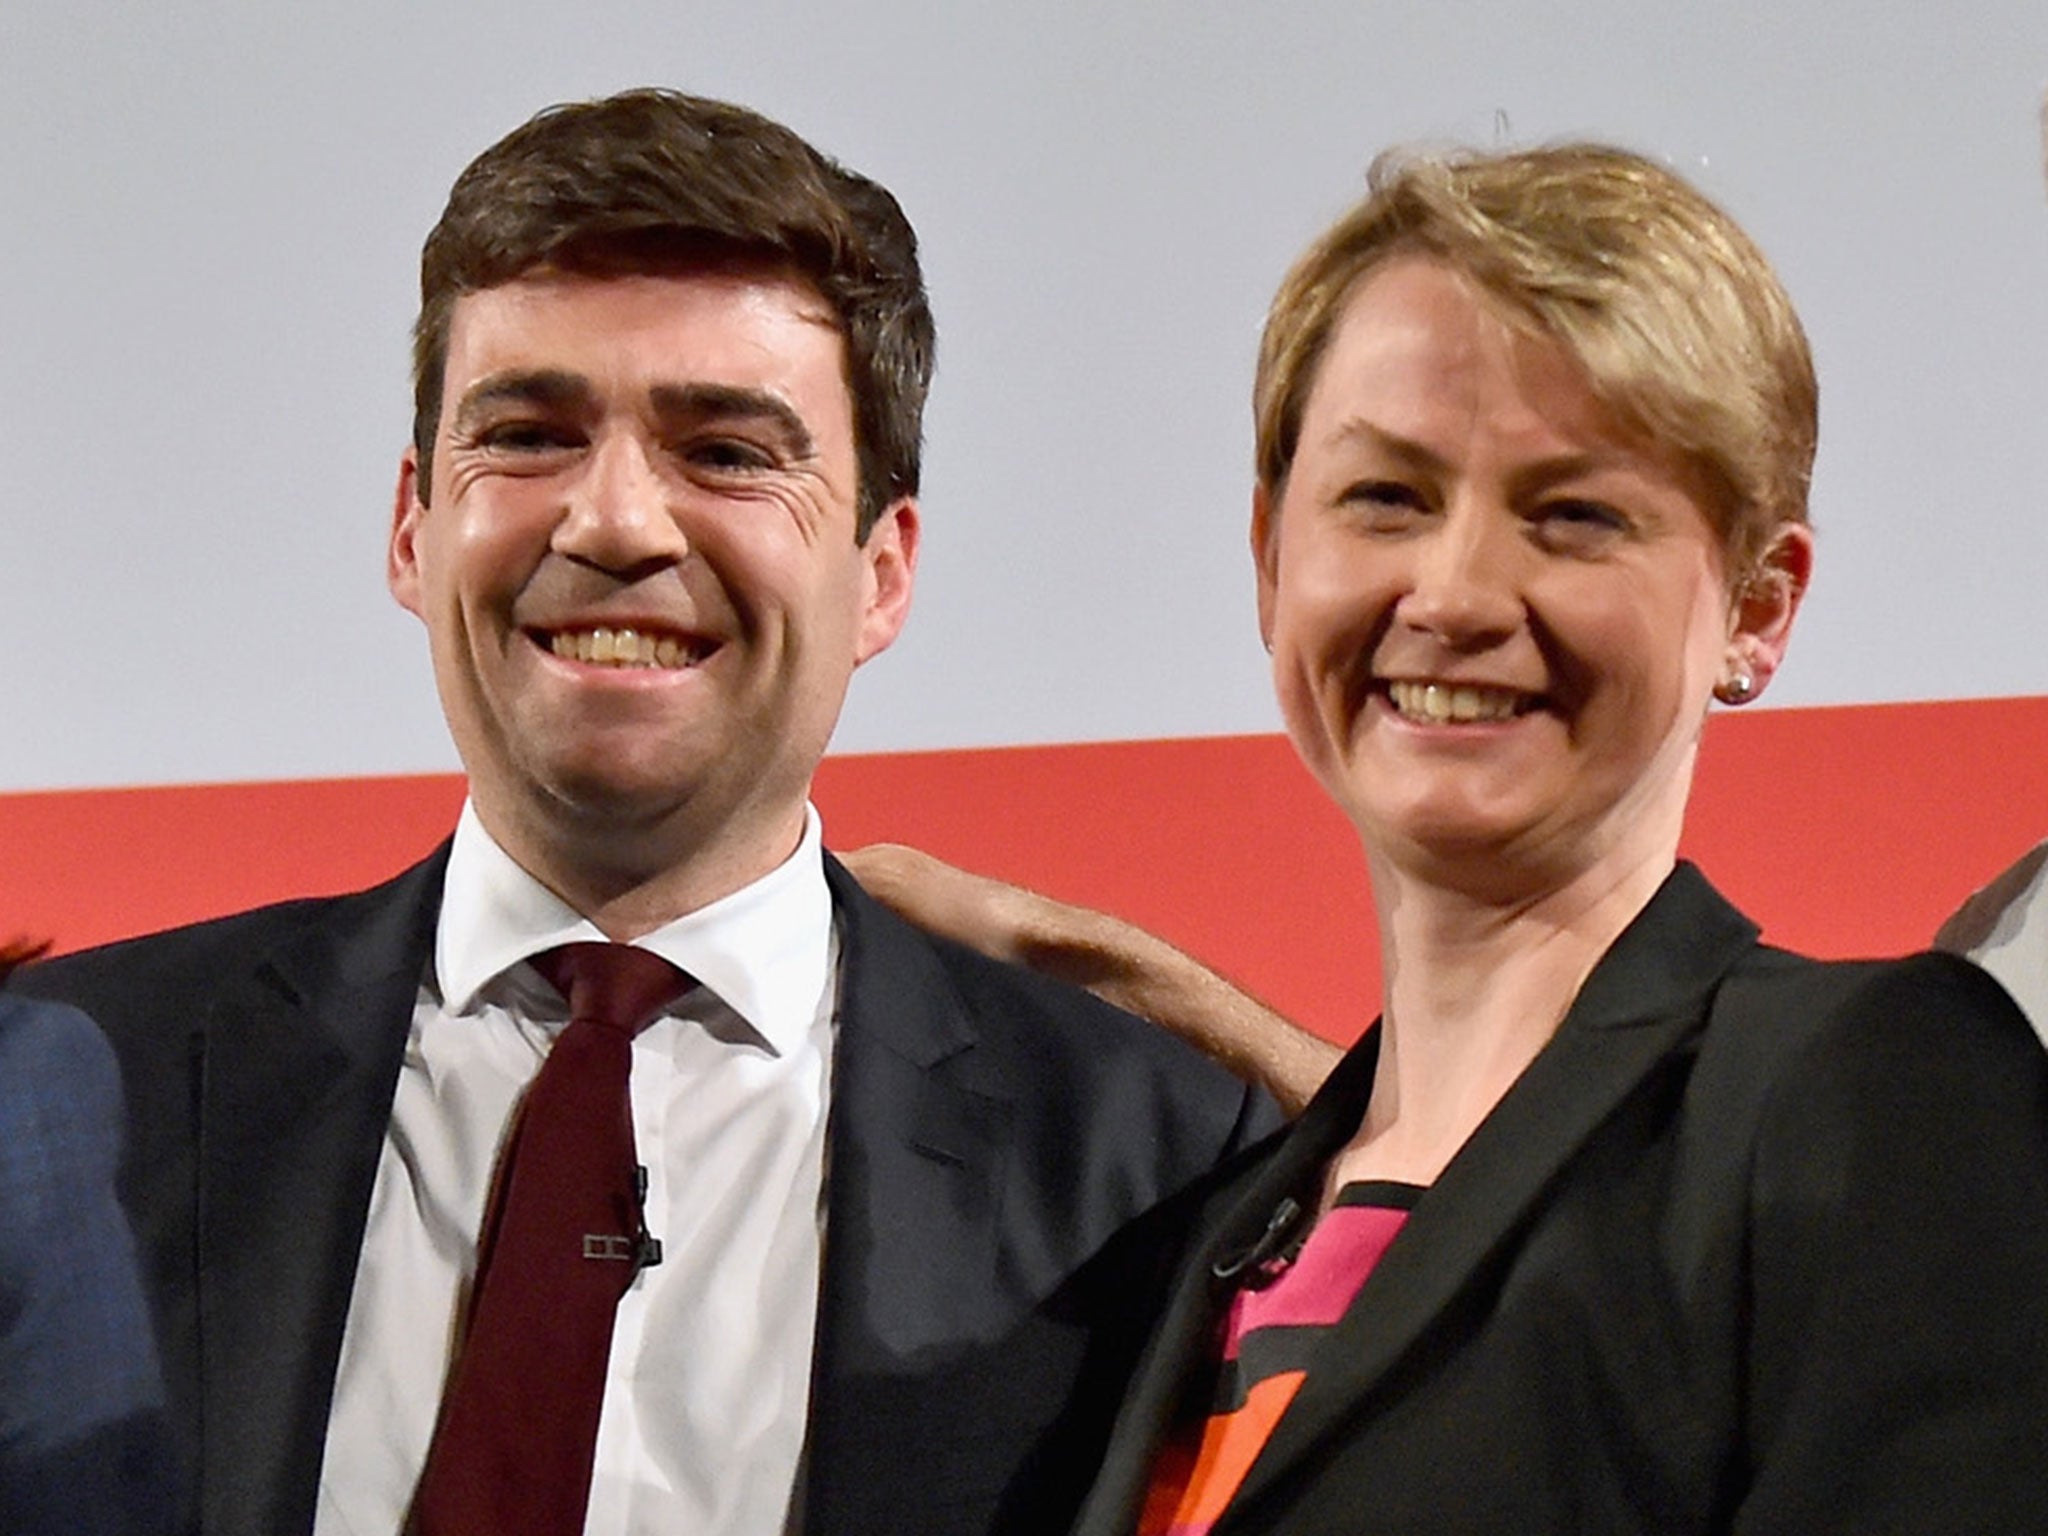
{"x": 1496, "y": 618}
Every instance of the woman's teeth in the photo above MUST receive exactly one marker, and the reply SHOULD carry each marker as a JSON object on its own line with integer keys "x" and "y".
{"x": 1455, "y": 704}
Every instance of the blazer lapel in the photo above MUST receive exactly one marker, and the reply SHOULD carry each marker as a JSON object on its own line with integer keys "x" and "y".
{"x": 917, "y": 1143}
{"x": 1243, "y": 1220}
{"x": 918, "y": 1137}
{"x": 1643, "y": 1001}
{"x": 299, "y": 1058}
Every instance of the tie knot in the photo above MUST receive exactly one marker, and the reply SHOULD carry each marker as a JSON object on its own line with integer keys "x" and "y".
{"x": 614, "y": 985}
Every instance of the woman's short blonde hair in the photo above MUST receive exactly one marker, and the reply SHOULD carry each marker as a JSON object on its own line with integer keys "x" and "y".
{"x": 1683, "y": 329}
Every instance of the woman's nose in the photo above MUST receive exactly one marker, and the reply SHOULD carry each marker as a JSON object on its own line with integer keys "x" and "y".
{"x": 1464, "y": 586}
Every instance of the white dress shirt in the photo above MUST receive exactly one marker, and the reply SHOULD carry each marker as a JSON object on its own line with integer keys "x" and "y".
{"x": 704, "y": 1405}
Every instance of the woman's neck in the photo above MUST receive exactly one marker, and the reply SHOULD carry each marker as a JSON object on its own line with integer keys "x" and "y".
{"x": 1475, "y": 986}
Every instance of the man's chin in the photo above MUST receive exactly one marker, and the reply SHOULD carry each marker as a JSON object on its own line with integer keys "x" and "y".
{"x": 609, "y": 798}
{"x": 612, "y": 800}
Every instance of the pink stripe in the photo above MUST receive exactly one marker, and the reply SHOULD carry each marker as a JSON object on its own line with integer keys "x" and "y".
{"x": 1316, "y": 1288}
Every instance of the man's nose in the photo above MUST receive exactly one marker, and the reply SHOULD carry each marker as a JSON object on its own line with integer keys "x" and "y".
{"x": 621, "y": 512}
{"x": 1465, "y": 583}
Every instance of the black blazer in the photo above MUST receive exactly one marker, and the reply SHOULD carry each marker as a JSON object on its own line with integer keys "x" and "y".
{"x": 1756, "y": 1244}
{"x": 992, "y": 1138}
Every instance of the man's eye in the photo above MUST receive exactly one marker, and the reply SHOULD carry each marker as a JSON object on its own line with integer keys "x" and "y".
{"x": 525, "y": 437}
{"x": 727, "y": 455}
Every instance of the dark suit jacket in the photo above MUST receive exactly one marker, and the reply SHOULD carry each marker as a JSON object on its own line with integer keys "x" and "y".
{"x": 1756, "y": 1244}
{"x": 992, "y": 1138}
{"x": 84, "y": 1445}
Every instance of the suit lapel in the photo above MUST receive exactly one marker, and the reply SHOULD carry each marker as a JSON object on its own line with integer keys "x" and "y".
{"x": 919, "y": 1132}
{"x": 1644, "y": 1000}
{"x": 299, "y": 1058}
{"x": 918, "y": 1139}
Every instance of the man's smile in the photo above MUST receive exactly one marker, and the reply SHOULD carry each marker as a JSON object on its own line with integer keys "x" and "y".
{"x": 627, "y": 647}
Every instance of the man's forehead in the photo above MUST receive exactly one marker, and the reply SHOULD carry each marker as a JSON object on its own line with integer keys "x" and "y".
{"x": 760, "y": 314}
{"x": 600, "y": 269}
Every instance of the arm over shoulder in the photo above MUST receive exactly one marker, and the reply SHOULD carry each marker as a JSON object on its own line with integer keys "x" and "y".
{"x": 1117, "y": 961}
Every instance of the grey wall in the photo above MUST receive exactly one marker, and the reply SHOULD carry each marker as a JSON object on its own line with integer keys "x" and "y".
{"x": 212, "y": 215}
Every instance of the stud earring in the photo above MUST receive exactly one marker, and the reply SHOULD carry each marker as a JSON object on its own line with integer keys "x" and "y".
{"x": 1736, "y": 689}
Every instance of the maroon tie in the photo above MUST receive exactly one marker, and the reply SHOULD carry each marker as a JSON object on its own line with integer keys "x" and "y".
{"x": 562, "y": 1239}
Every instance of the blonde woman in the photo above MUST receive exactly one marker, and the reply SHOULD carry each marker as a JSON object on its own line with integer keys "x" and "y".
{"x": 1617, "y": 1220}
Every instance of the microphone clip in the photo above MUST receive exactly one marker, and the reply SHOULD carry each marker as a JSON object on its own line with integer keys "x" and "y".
{"x": 1259, "y": 1264}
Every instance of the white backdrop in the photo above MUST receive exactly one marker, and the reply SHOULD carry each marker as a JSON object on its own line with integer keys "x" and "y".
{"x": 212, "y": 215}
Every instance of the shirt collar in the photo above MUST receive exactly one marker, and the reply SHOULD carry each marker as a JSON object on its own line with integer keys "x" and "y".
{"x": 765, "y": 950}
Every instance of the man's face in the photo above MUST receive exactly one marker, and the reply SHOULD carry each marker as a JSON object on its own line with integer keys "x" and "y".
{"x": 637, "y": 564}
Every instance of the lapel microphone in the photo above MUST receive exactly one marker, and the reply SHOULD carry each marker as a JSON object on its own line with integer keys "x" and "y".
{"x": 1252, "y": 1266}
{"x": 646, "y": 1246}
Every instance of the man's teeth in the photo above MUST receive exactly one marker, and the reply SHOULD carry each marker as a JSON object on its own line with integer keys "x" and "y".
{"x": 1446, "y": 704}
{"x": 622, "y": 648}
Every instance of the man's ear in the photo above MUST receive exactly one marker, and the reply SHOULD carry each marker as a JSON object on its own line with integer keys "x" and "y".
{"x": 890, "y": 553}
{"x": 401, "y": 556}
{"x": 1763, "y": 608}
{"x": 1266, "y": 558}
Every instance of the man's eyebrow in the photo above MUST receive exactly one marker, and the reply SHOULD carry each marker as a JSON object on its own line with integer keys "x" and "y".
{"x": 734, "y": 402}
{"x": 553, "y": 388}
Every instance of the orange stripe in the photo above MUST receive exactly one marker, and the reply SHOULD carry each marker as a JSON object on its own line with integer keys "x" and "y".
{"x": 1231, "y": 1442}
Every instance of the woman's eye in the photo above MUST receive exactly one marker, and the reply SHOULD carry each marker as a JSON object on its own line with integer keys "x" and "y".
{"x": 1384, "y": 493}
{"x": 1579, "y": 525}
{"x": 1385, "y": 503}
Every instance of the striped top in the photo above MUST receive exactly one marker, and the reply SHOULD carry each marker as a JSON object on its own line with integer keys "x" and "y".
{"x": 1274, "y": 1329}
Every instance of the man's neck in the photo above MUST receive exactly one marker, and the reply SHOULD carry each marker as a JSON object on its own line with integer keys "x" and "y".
{"x": 629, "y": 881}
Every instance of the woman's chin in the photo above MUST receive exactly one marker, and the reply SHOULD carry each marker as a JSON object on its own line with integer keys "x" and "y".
{"x": 1447, "y": 828}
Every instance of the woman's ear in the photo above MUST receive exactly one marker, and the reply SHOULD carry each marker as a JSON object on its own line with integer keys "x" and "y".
{"x": 1265, "y": 557}
{"x": 1761, "y": 613}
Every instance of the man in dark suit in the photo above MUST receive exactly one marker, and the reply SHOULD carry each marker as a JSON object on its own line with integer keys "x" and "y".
{"x": 660, "y": 504}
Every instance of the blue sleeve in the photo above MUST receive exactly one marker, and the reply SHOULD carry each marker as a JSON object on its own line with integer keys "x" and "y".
{"x": 82, "y": 1437}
